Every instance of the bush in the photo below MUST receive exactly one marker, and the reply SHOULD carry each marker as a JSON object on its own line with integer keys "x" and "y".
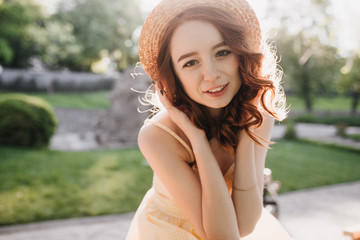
{"x": 341, "y": 129}
{"x": 290, "y": 133}
{"x": 25, "y": 121}
{"x": 329, "y": 119}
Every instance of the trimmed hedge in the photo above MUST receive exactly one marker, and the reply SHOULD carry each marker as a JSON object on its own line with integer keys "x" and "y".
{"x": 26, "y": 121}
{"x": 328, "y": 119}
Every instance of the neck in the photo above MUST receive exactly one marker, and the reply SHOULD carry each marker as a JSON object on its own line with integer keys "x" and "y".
{"x": 215, "y": 112}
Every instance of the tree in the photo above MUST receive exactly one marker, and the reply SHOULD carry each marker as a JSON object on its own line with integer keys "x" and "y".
{"x": 350, "y": 81}
{"x": 56, "y": 45}
{"x": 311, "y": 68}
{"x": 15, "y": 44}
{"x": 103, "y": 25}
{"x": 303, "y": 41}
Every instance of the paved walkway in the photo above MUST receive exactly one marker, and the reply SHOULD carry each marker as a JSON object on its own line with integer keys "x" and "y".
{"x": 313, "y": 214}
{"x": 86, "y": 140}
{"x": 319, "y": 132}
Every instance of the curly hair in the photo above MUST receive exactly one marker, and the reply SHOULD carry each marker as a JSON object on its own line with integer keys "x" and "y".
{"x": 257, "y": 79}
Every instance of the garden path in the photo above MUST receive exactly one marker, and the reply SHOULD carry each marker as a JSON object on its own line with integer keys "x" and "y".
{"x": 76, "y": 131}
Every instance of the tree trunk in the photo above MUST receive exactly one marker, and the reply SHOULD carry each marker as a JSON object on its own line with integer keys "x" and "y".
{"x": 308, "y": 103}
{"x": 355, "y": 102}
{"x": 305, "y": 88}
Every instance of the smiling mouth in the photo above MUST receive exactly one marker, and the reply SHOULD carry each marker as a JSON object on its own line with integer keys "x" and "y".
{"x": 218, "y": 89}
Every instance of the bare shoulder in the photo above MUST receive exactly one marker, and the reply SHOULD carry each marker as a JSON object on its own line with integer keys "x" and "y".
{"x": 266, "y": 127}
{"x": 152, "y": 134}
{"x": 153, "y": 139}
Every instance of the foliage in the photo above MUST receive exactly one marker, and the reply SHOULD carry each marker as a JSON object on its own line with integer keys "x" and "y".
{"x": 328, "y": 119}
{"x": 310, "y": 63}
{"x": 15, "y": 44}
{"x": 311, "y": 68}
{"x": 290, "y": 132}
{"x": 104, "y": 28}
{"x": 25, "y": 121}
{"x": 56, "y": 44}
{"x": 81, "y": 33}
{"x": 341, "y": 128}
{"x": 350, "y": 81}
{"x": 6, "y": 53}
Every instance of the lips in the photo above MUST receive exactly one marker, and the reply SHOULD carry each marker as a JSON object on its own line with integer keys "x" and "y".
{"x": 217, "y": 91}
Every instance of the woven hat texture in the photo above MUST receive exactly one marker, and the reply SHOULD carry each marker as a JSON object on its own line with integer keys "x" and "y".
{"x": 156, "y": 23}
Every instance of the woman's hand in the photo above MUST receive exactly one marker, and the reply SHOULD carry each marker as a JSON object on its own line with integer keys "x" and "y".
{"x": 178, "y": 116}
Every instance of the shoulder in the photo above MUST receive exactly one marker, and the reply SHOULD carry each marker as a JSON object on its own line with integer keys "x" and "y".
{"x": 150, "y": 133}
{"x": 265, "y": 129}
{"x": 153, "y": 139}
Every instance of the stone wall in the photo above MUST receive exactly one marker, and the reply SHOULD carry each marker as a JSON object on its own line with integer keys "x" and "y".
{"x": 121, "y": 125}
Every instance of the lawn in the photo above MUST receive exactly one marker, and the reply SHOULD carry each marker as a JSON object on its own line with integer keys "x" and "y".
{"x": 43, "y": 184}
{"x": 100, "y": 100}
{"x": 83, "y": 100}
{"x": 337, "y": 103}
{"x": 301, "y": 164}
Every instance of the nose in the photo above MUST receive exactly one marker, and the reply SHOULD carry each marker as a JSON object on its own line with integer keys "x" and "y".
{"x": 210, "y": 72}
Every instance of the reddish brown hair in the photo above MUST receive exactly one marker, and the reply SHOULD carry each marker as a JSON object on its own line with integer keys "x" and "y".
{"x": 240, "y": 113}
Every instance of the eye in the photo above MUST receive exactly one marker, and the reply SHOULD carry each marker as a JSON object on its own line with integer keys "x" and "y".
{"x": 190, "y": 63}
{"x": 223, "y": 53}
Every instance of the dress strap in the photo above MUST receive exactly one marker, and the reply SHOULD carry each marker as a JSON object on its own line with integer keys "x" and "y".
{"x": 171, "y": 132}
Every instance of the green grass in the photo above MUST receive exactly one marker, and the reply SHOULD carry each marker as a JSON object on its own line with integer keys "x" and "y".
{"x": 338, "y": 103}
{"x": 301, "y": 164}
{"x": 327, "y": 119}
{"x": 355, "y": 137}
{"x": 40, "y": 185}
{"x": 86, "y": 100}
{"x": 99, "y": 100}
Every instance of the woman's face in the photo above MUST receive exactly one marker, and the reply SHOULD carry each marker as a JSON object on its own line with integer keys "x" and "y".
{"x": 205, "y": 65}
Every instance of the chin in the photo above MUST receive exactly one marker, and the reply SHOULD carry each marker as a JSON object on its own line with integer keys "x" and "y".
{"x": 221, "y": 104}
{"x": 217, "y": 106}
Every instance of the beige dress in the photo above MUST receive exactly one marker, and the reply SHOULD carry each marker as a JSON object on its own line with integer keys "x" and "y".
{"x": 159, "y": 218}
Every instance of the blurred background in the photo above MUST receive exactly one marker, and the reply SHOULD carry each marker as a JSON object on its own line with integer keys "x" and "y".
{"x": 69, "y": 111}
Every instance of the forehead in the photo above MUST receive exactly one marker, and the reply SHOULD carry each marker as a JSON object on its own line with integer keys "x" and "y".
{"x": 194, "y": 36}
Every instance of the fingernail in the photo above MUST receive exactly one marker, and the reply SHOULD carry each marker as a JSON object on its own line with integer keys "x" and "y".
{"x": 162, "y": 92}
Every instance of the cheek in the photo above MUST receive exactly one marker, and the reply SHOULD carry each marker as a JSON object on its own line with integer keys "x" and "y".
{"x": 188, "y": 86}
{"x": 185, "y": 83}
{"x": 187, "y": 80}
{"x": 233, "y": 70}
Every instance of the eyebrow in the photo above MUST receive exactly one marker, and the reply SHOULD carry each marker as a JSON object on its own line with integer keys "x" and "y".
{"x": 193, "y": 53}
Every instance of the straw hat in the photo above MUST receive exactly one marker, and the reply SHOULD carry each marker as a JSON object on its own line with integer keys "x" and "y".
{"x": 156, "y": 23}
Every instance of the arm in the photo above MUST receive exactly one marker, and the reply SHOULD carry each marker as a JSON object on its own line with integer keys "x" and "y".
{"x": 205, "y": 200}
{"x": 249, "y": 176}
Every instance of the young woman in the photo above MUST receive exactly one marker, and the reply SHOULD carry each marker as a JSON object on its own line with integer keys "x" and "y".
{"x": 207, "y": 145}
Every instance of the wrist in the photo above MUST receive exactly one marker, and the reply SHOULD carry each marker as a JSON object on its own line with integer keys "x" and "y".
{"x": 244, "y": 137}
{"x": 198, "y": 139}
